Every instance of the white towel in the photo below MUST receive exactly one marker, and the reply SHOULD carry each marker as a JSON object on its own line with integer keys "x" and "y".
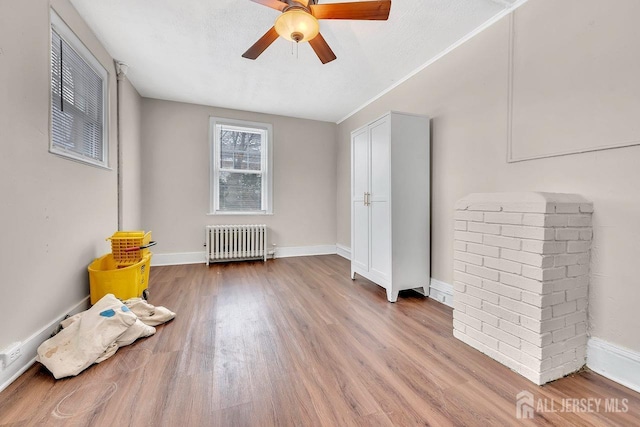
{"x": 85, "y": 339}
{"x": 135, "y": 331}
{"x": 95, "y": 335}
{"x": 149, "y": 314}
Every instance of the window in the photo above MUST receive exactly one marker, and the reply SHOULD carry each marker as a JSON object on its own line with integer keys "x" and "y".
{"x": 78, "y": 99}
{"x": 240, "y": 167}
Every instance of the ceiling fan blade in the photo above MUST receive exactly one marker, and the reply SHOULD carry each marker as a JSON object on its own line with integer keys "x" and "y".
{"x": 322, "y": 49}
{"x": 258, "y": 47}
{"x": 274, "y": 4}
{"x": 366, "y": 10}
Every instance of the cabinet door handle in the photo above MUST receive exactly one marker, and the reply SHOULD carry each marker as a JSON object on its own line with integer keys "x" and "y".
{"x": 364, "y": 198}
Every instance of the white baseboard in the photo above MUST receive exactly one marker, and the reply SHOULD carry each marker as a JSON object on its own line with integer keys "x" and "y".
{"x": 179, "y": 258}
{"x": 201, "y": 257}
{"x": 616, "y": 363}
{"x": 305, "y": 251}
{"x": 31, "y": 344}
{"x": 343, "y": 251}
{"x": 441, "y": 292}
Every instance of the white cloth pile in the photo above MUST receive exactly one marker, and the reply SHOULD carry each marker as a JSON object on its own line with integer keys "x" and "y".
{"x": 96, "y": 334}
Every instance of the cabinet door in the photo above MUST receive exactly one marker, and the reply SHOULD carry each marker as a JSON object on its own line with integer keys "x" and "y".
{"x": 360, "y": 211}
{"x": 380, "y": 212}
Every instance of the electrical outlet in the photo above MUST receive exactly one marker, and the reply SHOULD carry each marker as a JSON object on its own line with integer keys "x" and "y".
{"x": 11, "y": 354}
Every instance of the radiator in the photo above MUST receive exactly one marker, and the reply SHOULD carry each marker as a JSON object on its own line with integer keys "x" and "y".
{"x": 236, "y": 242}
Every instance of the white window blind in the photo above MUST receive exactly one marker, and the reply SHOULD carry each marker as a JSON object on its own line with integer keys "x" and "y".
{"x": 78, "y": 99}
{"x": 241, "y": 172}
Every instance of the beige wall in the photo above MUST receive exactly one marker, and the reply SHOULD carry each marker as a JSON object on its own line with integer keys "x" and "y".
{"x": 55, "y": 212}
{"x": 130, "y": 157}
{"x": 465, "y": 93}
{"x": 175, "y": 179}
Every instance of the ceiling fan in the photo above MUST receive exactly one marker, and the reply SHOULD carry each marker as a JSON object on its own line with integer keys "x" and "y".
{"x": 299, "y": 22}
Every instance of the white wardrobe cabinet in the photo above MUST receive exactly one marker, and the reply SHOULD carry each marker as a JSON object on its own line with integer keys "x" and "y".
{"x": 390, "y": 173}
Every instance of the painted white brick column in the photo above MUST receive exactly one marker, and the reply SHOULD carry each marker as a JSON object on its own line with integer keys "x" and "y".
{"x": 521, "y": 276}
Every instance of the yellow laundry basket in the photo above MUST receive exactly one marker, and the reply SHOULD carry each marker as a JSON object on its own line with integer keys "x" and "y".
{"x": 125, "y": 282}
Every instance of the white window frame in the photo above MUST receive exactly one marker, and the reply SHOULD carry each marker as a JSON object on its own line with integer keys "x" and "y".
{"x": 76, "y": 44}
{"x": 266, "y": 157}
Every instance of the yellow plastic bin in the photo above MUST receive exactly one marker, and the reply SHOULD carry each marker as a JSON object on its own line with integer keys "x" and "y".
{"x": 130, "y": 247}
{"x": 126, "y": 282}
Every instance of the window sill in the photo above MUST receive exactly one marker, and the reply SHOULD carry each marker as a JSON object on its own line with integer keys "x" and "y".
{"x": 239, "y": 213}
{"x": 64, "y": 155}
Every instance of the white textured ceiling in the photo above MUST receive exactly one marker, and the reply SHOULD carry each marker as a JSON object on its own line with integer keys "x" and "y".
{"x": 190, "y": 51}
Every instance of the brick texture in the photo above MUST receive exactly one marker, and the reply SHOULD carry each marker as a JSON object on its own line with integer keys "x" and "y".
{"x": 521, "y": 280}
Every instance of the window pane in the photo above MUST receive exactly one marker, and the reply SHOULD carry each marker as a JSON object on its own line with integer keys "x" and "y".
{"x": 240, "y": 150}
{"x": 76, "y": 103}
{"x": 241, "y": 166}
{"x": 240, "y": 191}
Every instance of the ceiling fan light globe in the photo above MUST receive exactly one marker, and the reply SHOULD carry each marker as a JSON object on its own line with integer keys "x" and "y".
{"x": 297, "y": 25}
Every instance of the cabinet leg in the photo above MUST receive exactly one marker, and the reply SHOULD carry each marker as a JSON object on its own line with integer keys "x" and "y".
{"x": 353, "y": 275}
{"x": 392, "y": 296}
{"x": 425, "y": 289}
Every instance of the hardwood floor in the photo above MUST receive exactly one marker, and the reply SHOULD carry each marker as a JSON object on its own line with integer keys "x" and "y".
{"x": 296, "y": 342}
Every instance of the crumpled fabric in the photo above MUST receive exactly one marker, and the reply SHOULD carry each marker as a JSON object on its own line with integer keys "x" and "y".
{"x": 95, "y": 335}
{"x": 147, "y": 313}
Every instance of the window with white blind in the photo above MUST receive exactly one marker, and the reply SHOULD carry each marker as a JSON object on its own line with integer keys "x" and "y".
{"x": 240, "y": 167}
{"x": 78, "y": 98}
